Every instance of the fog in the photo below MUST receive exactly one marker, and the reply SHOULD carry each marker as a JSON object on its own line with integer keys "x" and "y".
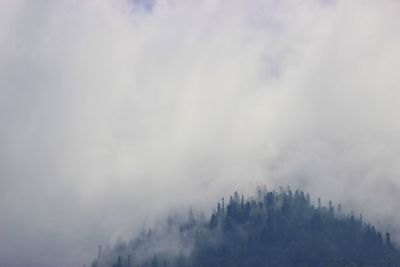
{"x": 113, "y": 113}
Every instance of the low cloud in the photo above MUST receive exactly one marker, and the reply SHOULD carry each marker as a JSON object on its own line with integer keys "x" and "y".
{"x": 113, "y": 113}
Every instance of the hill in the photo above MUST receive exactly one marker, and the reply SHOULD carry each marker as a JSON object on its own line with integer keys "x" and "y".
{"x": 274, "y": 228}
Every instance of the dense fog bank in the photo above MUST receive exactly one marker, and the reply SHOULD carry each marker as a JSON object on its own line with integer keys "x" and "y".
{"x": 115, "y": 112}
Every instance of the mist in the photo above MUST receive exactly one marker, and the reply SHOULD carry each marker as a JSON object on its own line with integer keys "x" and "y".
{"x": 114, "y": 113}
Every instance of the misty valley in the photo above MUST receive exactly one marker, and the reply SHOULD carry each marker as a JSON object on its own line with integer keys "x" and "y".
{"x": 282, "y": 228}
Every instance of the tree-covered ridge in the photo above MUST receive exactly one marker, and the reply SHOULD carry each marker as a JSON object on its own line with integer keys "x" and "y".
{"x": 275, "y": 228}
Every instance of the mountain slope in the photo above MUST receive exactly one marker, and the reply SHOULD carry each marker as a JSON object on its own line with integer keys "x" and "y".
{"x": 276, "y": 229}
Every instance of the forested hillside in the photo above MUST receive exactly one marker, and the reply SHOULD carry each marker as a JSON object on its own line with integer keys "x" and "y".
{"x": 277, "y": 229}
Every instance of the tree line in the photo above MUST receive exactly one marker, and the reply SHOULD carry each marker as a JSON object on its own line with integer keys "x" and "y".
{"x": 273, "y": 228}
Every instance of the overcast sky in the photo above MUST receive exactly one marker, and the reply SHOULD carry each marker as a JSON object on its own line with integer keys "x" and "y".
{"x": 115, "y": 112}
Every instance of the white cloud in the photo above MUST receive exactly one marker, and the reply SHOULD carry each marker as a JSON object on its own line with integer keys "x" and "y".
{"x": 112, "y": 113}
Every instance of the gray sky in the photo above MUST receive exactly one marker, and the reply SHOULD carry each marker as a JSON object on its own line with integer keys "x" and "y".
{"x": 113, "y": 113}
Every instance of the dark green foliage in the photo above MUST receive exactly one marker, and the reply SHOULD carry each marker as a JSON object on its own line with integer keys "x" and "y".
{"x": 276, "y": 229}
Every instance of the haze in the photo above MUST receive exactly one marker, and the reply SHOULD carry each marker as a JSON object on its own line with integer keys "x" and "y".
{"x": 114, "y": 113}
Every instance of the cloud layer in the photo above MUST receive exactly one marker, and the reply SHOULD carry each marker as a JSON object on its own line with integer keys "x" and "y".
{"x": 113, "y": 112}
